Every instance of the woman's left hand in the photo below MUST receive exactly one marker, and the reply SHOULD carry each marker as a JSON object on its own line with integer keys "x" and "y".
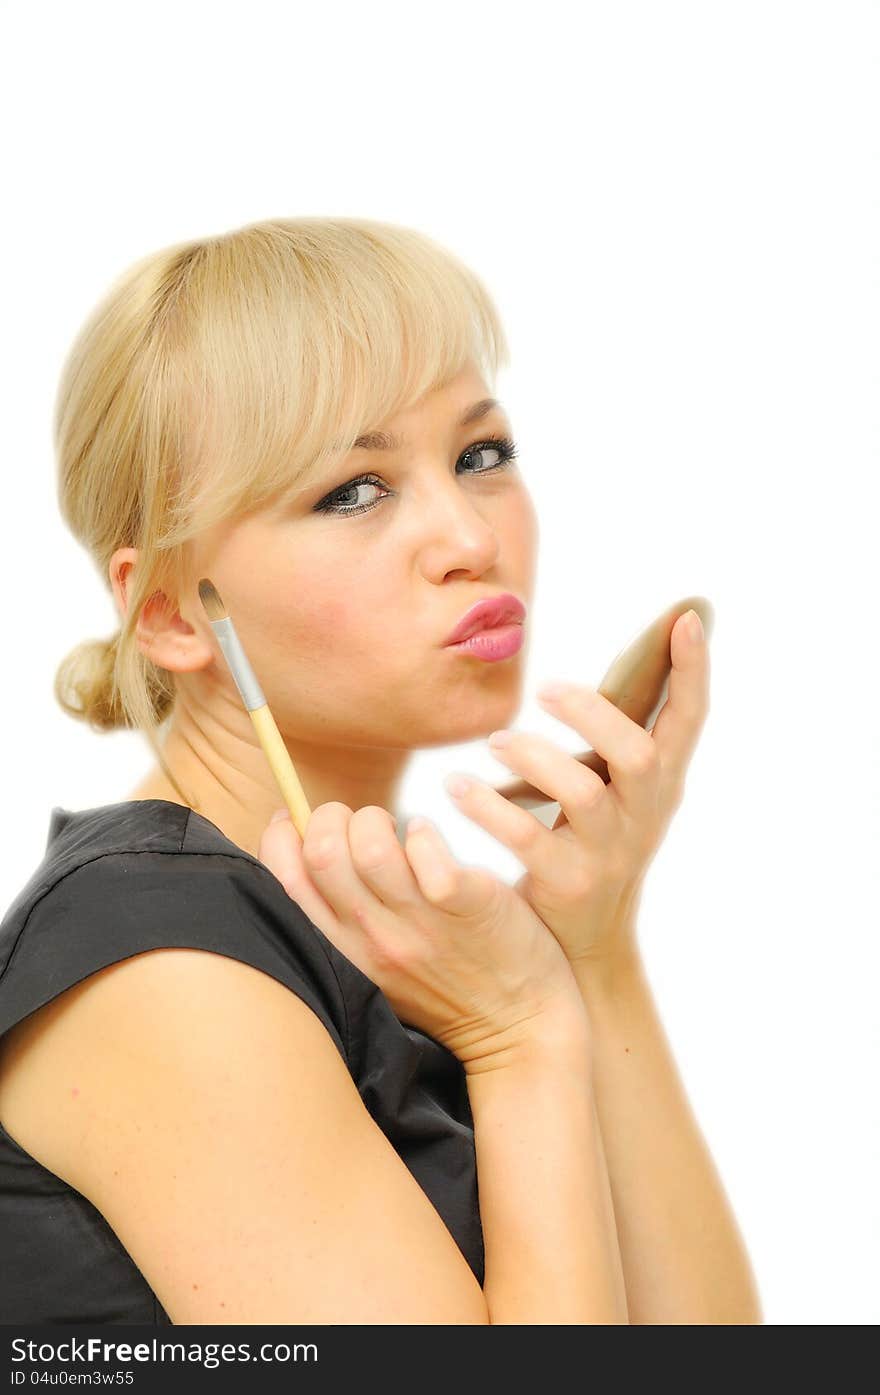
{"x": 584, "y": 877}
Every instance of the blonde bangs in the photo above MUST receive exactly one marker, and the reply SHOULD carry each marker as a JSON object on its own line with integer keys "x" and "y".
{"x": 287, "y": 340}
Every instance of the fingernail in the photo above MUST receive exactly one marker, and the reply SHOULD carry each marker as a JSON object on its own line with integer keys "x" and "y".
{"x": 457, "y": 785}
{"x": 551, "y": 691}
{"x": 280, "y": 814}
{"x": 694, "y": 625}
{"x": 501, "y": 738}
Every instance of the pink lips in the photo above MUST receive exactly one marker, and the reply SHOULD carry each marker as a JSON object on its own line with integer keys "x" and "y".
{"x": 488, "y": 614}
{"x": 502, "y": 642}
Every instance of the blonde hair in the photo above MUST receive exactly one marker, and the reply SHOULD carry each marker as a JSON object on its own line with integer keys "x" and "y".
{"x": 220, "y": 375}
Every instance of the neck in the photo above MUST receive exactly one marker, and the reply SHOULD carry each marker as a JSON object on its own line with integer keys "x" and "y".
{"x": 226, "y": 777}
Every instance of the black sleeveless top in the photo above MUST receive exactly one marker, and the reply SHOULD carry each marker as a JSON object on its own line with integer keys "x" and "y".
{"x": 120, "y": 879}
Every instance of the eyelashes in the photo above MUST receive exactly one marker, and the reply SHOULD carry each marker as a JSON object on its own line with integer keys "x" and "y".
{"x": 332, "y": 503}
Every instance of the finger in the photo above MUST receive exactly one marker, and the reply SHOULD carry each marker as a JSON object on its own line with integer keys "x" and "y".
{"x": 328, "y": 862}
{"x": 379, "y": 860}
{"x": 548, "y": 857}
{"x": 630, "y": 752}
{"x": 445, "y": 883}
{"x": 580, "y": 792}
{"x": 680, "y": 721}
{"x": 281, "y": 851}
{"x": 459, "y": 890}
{"x": 353, "y": 936}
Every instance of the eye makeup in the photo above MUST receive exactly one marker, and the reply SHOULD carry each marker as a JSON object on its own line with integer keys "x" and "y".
{"x": 332, "y": 503}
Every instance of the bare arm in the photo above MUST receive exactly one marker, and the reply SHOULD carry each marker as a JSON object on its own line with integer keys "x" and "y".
{"x": 551, "y": 1244}
{"x": 257, "y": 1188}
{"x": 683, "y": 1256}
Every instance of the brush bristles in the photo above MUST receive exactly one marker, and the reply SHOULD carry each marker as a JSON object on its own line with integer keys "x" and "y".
{"x": 211, "y": 600}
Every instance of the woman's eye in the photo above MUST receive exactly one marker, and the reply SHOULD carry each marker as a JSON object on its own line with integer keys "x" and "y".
{"x": 337, "y": 503}
{"x": 503, "y": 447}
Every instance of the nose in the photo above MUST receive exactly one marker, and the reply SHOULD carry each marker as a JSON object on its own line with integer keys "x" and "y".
{"x": 460, "y": 533}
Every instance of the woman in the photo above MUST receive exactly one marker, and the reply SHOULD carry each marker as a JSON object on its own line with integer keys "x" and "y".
{"x": 290, "y": 1127}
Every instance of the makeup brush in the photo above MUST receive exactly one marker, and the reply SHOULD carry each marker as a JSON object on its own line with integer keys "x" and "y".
{"x": 252, "y": 696}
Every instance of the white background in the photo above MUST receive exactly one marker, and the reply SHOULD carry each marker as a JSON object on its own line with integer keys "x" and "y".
{"x": 675, "y": 207}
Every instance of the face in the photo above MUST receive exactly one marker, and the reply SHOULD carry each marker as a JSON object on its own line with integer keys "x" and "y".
{"x": 343, "y": 599}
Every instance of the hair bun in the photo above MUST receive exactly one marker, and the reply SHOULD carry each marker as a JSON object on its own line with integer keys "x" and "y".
{"x": 85, "y": 685}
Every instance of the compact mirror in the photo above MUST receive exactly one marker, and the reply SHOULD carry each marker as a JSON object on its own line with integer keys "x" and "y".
{"x": 637, "y": 682}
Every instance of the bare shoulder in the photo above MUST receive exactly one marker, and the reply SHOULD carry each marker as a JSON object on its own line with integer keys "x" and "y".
{"x": 146, "y": 1013}
{"x": 49, "y": 1060}
{"x": 206, "y": 1111}
{"x": 36, "y": 1073}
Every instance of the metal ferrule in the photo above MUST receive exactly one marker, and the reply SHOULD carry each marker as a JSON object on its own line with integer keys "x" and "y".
{"x": 245, "y": 678}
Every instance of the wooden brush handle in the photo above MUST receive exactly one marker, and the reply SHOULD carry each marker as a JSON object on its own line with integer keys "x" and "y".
{"x": 282, "y": 767}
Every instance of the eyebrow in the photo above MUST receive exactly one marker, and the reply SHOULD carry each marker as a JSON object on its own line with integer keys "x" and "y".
{"x": 381, "y": 440}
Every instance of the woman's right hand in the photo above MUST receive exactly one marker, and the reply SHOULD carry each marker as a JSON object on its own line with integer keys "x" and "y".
{"x": 458, "y": 953}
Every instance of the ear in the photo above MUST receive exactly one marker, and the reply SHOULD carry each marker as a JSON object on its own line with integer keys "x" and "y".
{"x": 163, "y": 635}
{"x": 121, "y": 564}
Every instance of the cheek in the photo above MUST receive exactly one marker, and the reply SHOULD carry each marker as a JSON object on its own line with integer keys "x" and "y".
{"x": 520, "y": 531}
{"x": 327, "y": 627}
{"x": 311, "y": 619}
